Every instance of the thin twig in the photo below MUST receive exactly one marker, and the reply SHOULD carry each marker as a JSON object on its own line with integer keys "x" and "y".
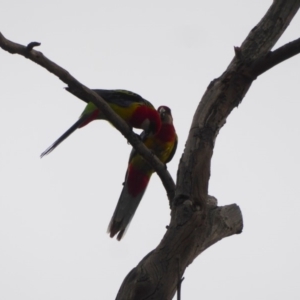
{"x": 179, "y": 288}
{"x": 32, "y": 44}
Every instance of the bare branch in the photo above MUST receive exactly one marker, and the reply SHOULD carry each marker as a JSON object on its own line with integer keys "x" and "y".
{"x": 91, "y": 96}
{"x": 149, "y": 276}
{"x": 276, "y": 57}
{"x": 31, "y": 45}
{"x": 196, "y": 221}
{"x": 222, "y": 96}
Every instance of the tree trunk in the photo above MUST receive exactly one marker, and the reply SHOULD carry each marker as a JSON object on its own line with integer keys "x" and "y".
{"x": 196, "y": 220}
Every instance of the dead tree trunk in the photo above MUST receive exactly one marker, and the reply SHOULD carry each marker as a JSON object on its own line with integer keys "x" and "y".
{"x": 196, "y": 220}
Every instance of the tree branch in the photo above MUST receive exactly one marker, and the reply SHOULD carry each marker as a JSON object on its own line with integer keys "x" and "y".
{"x": 91, "y": 96}
{"x": 222, "y": 96}
{"x": 196, "y": 222}
{"x": 149, "y": 277}
{"x": 276, "y": 57}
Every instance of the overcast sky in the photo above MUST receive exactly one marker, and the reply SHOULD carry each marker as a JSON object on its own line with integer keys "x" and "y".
{"x": 54, "y": 211}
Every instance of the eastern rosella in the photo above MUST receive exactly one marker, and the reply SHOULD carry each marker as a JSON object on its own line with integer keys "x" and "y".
{"x": 131, "y": 107}
{"x": 163, "y": 145}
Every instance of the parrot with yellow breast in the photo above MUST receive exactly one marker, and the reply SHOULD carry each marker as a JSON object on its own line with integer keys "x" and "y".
{"x": 136, "y": 111}
{"x": 163, "y": 144}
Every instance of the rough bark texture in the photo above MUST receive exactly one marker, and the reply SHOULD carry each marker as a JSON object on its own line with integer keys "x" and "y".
{"x": 195, "y": 223}
{"x": 196, "y": 220}
{"x": 189, "y": 234}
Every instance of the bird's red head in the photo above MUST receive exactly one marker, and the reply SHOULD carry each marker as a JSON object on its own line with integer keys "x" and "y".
{"x": 165, "y": 114}
{"x": 146, "y": 118}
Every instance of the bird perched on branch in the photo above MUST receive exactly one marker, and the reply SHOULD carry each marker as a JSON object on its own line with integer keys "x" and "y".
{"x": 132, "y": 108}
{"x": 163, "y": 144}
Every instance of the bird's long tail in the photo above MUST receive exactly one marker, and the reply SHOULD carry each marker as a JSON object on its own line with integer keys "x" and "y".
{"x": 80, "y": 123}
{"x": 124, "y": 212}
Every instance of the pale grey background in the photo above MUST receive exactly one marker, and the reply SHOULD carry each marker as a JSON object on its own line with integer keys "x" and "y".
{"x": 54, "y": 212}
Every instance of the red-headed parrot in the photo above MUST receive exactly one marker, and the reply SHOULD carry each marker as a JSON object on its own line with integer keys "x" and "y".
{"x": 131, "y": 107}
{"x": 163, "y": 145}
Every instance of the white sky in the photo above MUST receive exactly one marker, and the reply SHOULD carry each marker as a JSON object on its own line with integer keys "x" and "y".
{"x": 54, "y": 212}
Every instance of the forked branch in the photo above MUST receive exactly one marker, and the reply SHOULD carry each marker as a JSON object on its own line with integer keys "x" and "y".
{"x": 276, "y": 57}
{"x": 196, "y": 221}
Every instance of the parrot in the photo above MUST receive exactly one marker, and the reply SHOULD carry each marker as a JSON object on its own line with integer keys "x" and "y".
{"x": 136, "y": 111}
{"x": 163, "y": 144}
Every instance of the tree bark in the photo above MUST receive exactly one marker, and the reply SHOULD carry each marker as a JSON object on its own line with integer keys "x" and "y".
{"x": 196, "y": 220}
